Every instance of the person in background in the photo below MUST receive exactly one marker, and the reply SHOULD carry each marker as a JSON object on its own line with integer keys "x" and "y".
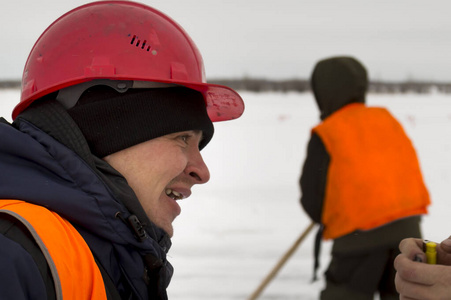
{"x": 361, "y": 181}
{"x": 420, "y": 281}
{"x": 113, "y": 114}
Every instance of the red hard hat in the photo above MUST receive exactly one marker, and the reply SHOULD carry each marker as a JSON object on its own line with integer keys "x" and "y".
{"x": 120, "y": 40}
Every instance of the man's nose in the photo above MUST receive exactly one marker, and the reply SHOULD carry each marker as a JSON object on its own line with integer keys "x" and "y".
{"x": 197, "y": 168}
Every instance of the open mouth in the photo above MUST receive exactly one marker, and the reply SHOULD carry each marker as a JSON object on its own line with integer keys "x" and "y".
{"x": 173, "y": 194}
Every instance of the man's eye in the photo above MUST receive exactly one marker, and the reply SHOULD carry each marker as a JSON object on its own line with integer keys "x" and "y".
{"x": 184, "y": 138}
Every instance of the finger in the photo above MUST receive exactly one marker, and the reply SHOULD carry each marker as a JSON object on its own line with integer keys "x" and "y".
{"x": 410, "y": 291}
{"x": 402, "y": 297}
{"x": 444, "y": 252}
{"x": 446, "y": 245}
{"x": 413, "y": 248}
{"x": 410, "y": 243}
{"x": 414, "y": 272}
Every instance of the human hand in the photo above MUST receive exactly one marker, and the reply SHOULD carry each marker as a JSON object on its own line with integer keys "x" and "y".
{"x": 415, "y": 280}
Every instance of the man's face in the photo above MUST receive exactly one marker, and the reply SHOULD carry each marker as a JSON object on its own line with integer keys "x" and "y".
{"x": 161, "y": 171}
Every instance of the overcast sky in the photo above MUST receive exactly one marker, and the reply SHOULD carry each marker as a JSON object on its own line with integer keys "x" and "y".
{"x": 275, "y": 39}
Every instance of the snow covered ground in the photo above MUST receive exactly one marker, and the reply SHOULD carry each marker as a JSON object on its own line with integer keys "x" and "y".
{"x": 233, "y": 230}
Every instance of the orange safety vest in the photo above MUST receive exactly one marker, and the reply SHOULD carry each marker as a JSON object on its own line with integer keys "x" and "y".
{"x": 74, "y": 270}
{"x": 374, "y": 175}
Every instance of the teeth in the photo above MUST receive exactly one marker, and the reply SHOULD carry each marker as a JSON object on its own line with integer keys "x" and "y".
{"x": 173, "y": 194}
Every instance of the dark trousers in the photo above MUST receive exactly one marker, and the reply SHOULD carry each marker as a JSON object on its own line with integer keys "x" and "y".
{"x": 362, "y": 262}
{"x": 360, "y": 276}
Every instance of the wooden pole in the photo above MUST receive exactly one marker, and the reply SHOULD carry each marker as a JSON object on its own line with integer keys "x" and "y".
{"x": 280, "y": 263}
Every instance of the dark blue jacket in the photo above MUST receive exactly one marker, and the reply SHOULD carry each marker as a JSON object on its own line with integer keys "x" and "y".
{"x": 44, "y": 160}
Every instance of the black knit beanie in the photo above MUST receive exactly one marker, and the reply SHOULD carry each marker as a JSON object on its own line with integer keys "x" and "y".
{"x": 112, "y": 121}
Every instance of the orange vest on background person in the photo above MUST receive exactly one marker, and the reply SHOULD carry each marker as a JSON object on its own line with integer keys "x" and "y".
{"x": 74, "y": 270}
{"x": 374, "y": 175}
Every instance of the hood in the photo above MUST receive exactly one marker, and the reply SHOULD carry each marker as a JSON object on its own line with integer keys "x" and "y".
{"x": 336, "y": 82}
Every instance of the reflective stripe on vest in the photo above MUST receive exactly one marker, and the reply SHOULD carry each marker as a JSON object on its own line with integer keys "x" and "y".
{"x": 74, "y": 270}
{"x": 374, "y": 175}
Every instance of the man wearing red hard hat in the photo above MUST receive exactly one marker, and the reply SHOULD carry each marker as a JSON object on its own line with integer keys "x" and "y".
{"x": 114, "y": 111}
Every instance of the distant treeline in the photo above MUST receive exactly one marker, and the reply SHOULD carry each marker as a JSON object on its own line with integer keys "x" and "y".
{"x": 302, "y": 85}
{"x": 9, "y": 84}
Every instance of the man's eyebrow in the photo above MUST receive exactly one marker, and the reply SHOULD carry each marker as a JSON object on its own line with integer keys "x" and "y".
{"x": 199, "y": 132}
